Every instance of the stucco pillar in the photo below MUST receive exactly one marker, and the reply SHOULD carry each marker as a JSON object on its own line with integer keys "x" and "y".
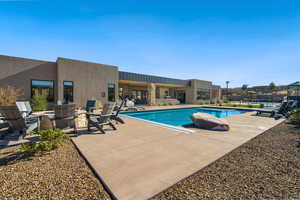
{"x": 151, "y": 94}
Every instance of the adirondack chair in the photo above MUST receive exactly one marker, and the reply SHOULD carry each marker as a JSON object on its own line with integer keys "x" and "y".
{"x": 3, "y": 124}
{"x": 24, "y": 107}
{"x": 116, "y": 112}
{"x": 65, "y": 116}
{"x": 100, "y": 120}
{"x": 17, "y": 122}
{"x": 90, "y": 105}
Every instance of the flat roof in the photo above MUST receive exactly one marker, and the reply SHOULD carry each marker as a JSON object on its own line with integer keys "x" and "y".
{"x": 129, "y": 76}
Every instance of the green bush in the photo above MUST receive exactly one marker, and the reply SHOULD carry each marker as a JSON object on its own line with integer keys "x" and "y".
{"x": 226, "y": 101}
{"x": 39, "y": 102}
{"x": 295, "y": 117}
{"x": 49, "y": 140}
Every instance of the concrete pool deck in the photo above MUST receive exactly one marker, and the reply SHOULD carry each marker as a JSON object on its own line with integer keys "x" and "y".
{"x": 140, "y": 160}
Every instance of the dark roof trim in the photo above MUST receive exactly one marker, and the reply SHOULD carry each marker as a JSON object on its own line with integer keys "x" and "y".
{"x": 151, "y": 79}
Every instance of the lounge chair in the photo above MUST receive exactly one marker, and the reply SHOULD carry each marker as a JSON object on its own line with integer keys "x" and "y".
{"x": 65, "y": 116}
{"x": 17, "y": 122}
{"x": 131, "y": 106}
{"x": 281, "y": 110}
{"x": 292, "y": 105}
{"x": 100, "y": 120}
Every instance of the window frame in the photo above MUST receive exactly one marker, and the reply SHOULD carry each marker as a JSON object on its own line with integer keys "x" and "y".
{"x": 208, "y": 90}
{"x": 114, "y": 98}
{"x": 31, "y": 93}
{"x": 72, "y": 90}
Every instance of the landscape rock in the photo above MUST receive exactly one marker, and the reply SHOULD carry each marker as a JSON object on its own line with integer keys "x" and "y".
{"x": 207, "y": 121}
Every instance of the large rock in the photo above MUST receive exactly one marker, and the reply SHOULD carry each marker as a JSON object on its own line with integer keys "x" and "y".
{"x": 207, "y": 121}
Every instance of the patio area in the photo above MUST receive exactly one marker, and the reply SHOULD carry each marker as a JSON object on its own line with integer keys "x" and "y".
{"x": 139, "y": 160}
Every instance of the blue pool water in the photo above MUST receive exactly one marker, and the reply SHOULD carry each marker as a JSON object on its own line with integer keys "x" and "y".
{"x": 180, "y": 117}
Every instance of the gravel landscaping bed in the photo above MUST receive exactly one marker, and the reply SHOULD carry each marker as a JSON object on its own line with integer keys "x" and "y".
{"x": 266, "y": 167}
{"x": 60, "y": 174}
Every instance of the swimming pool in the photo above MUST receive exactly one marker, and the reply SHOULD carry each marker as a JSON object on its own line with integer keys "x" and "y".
{"x": 180, "y": 116}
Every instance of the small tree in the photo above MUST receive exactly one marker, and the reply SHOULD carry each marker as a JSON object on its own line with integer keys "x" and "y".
{"x": 272, "y": 87}
{"x": 9, "y": 95}
{"x": 39, "y": 102}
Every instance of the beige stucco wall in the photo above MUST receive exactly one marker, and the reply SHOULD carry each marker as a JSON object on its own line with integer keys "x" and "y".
{"x": 162, "y": 92}
{"x": 191, "y": 91}
{"x": 90, "y": 79}
{"x": 216, "y": 94}
{"x": 19, "y": 72}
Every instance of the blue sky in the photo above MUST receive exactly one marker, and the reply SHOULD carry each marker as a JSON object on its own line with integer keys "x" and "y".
{"x": 244, "y": 41}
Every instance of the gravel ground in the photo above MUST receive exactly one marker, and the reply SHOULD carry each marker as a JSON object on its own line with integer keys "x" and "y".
{"x": 60, "y": 174}
{"x": 267, "y": 167}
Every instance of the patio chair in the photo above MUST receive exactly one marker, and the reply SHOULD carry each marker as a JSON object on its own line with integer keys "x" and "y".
{"x": 64, "y": 116}
{"x": 17, "y": 122}
{"x": 116, "y": 112}
{"x": 292, "y": 105}
{"x": 90, "y": 106}
{"x": 3, "y": 124}
{"x": 131, "y": 106}
{"x": 281, "y": 110}
{"x": 24, "y": 107}
{"x": 100, "y": 120}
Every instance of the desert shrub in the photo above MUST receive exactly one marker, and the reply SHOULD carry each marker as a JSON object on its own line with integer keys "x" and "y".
{"x": 207, "y": 102}
{"x": 39, "y": 102}
{"x": 49, "y": 140}
{"x": 9, "y": 95}
{"x": 295, "y": 117}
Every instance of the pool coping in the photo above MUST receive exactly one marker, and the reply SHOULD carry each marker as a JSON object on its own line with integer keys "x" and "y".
{"x": 177, "y": 128}
{"x": 199, "y": 106}
{"x": 162, "y": 125}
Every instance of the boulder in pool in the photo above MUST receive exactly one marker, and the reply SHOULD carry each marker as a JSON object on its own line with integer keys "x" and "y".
{"x": 207, "y": 121}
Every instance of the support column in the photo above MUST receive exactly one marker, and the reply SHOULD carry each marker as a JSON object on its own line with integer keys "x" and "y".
{"x": 151, "y": 94}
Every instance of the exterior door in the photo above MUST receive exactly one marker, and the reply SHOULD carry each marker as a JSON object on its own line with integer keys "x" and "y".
{"x": 180, "y": 96}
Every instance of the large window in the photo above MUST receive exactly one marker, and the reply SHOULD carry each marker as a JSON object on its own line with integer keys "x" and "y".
{"x": 111, "y": 92}
{"x": 203, "y": 94}
{"x": 43, "y": 88}
{"x": 68, "y": 91}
